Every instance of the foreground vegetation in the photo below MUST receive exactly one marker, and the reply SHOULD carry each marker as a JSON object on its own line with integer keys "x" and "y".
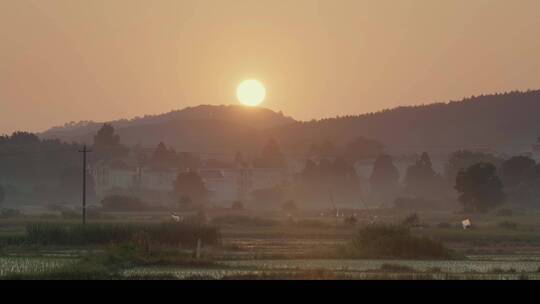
{"x": 177, "y": 234}
{"x": 245, "y": 245}
{"x": 387, "y": 241}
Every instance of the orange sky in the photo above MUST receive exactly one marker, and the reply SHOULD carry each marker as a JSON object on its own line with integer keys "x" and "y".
{"x": 106, "y": 59}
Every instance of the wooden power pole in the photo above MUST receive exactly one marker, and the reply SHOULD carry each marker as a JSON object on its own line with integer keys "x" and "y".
{"x": 84, "y": 151}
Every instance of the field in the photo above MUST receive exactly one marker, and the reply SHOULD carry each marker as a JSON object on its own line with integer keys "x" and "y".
{"x": 277, "y": 246}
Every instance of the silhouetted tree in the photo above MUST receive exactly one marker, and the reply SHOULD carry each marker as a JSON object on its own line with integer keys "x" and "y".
{"x": 421, "y": 180}
{"x": 107, "y": 144}
{"x": 191, "y": 185}
{"x": 479, "y": 187}
{"x": 163, "y": 157}
{"x": 140, "y": 155}
{"x": 27, "y": 160}
{"x": 106, "y": 137}
{"x": 384, "y": 179}
{"x": 318, "y": 181}
{"x": 527, "y": 191}
{"x": 463, "y": 159}
{"x": 513, "y": 171}
{"x": 271, "y": 156}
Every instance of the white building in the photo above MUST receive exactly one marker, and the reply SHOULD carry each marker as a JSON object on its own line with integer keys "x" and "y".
{"x": 224, "y": 184}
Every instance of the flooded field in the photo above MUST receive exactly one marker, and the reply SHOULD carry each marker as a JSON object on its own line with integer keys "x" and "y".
{"x": 357, "y": 269}
{"x": 15, "y": 265}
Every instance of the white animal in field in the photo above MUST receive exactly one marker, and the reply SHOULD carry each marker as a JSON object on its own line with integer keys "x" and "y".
{"x": 176, "y": 218}
{"x": 466, "y": 223}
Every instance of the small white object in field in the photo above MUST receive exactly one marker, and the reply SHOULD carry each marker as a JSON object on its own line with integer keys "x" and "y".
{"x": 322, "y": 213}
{"x": 175, "y": 217}
{"x": 466, "y": 223}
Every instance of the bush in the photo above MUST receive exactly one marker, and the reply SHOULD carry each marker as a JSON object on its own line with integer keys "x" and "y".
{"x": 243, "y": 220}
{"x": 508, "y": 225}
{"x": 122, "y": 203}
{"x": 386, "y": 241}
{"x": 77, "y": 234}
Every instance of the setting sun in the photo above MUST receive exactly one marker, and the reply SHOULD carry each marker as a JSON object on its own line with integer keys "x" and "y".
{"x": 251, "y": 92}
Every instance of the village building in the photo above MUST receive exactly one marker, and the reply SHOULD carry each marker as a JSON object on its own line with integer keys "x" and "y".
{"x": 224, "y": 185}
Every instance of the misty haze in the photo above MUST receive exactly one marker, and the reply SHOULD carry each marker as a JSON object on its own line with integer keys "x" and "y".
{"x": 249, "y": 140}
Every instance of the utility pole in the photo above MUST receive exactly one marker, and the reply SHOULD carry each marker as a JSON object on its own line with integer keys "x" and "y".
{"x": 330, "y": 192}
{"x": 84, "y": 151}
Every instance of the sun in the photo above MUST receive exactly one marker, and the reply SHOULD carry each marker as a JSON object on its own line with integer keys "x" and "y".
{"x": 251, "y": 92}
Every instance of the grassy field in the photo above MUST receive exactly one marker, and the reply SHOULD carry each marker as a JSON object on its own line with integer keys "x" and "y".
{"x": 273, "y": 246}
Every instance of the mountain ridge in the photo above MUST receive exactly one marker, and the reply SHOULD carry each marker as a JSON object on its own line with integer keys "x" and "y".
{"x": 495, "y": 119}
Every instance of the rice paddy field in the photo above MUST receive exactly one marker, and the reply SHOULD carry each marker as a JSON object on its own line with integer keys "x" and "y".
{"x": 494, "y": 269}
{"x": 277, "y": 249}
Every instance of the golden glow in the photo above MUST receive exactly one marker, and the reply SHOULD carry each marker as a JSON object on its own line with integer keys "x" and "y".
{"x": 251, "y": 92}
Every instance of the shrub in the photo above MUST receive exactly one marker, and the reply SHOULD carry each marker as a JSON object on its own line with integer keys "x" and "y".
{"x": 386, "y": 241}
{"x": 77, "y": 234}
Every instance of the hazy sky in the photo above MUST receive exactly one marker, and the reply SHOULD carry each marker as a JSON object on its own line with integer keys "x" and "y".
{"x": 105, "y": 59}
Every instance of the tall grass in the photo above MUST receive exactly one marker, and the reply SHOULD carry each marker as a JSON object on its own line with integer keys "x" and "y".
{"x": 94, "y": 234}
{"x": 394, "y": 242}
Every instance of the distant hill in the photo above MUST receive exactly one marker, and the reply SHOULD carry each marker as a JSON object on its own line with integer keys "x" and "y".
{"x": 200, "y": 128}
{"x": 507, "y": 122}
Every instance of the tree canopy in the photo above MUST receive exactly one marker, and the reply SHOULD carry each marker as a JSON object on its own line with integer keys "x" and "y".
{"x": 384, "y": 179}
{"x": 479, "y": 187}
{"x": 513, "y": 171}
{"x": 190, "y": 185}
{"x": 421, "y": 180}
